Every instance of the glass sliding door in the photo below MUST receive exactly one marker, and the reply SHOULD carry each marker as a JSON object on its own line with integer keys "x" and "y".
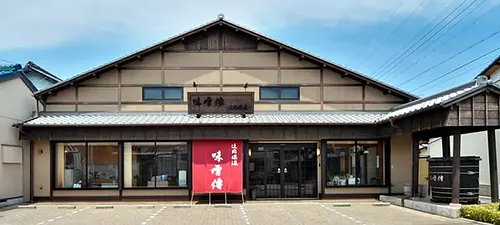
{"x": 283, "y": 170}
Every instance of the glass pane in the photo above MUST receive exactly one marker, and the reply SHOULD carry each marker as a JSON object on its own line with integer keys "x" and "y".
{"x": 371, "y": 169}
{"x": 103, "y": 165}
{"x": 139, "y": 164}
{"x": 70, "y": 165}
{"x": 152, "y": 94}
{"x": 171, "y": 164}
{"x": 173, "y": 93}
{"x": 289, "y": 93}
{"x": 341, "y": 163}
{"x": 269, "y": 93}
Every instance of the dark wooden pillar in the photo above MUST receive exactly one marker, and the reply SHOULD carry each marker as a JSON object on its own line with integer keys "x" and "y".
{"x": 445, "y": 141}
{"x": 492, "y": 155}
{"x": 387, "y": 162}
{"x": 455, "y": 187}
{"x": 415, "y": 149}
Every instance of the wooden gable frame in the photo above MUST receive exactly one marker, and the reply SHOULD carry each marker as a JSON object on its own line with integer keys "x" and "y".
{"x": 162, "y": 46}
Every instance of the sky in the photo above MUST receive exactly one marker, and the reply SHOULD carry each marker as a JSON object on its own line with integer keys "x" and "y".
{"x": 420, "y": 46}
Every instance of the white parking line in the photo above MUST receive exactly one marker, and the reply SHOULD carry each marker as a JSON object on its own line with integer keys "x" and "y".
{"x": 154, "y": 215}
{"x": 343, "y": 215}
{"x": 244, "y": 213}
{"x": 65, "y": 215}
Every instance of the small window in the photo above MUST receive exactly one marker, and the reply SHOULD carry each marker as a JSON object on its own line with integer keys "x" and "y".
{"x": 163, "y": 93}
{"x": 279, "y": 93}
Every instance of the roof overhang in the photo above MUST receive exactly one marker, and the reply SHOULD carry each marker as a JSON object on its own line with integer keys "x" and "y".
{"x": 115, "y": 119}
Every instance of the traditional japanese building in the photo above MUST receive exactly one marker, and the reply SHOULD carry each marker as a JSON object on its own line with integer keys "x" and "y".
{"x": 309, "y": 128}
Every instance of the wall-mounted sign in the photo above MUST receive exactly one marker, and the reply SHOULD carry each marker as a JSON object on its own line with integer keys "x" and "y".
{"x": 220, "y": 102}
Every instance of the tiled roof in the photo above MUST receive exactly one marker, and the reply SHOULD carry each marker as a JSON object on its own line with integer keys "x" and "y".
{"x": 440, "y": 99}
{"x": 163, "y": 118}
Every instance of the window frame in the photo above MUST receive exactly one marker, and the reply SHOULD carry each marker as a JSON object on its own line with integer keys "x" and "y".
{"x": 163, "y": 91}
{"x": 383, "y": 164}
{"x": 121, "y": 152}
{"x": 280, "y": 90}
{"x": 53, "y": 164}
{"x": 188, "y": 169}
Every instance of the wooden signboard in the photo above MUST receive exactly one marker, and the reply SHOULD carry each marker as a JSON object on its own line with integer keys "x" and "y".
{"x": 220, "y": 102}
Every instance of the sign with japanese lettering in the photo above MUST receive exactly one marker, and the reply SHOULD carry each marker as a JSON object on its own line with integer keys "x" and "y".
{"x": 220, "y": 102}
{"x": 217, "y": 166}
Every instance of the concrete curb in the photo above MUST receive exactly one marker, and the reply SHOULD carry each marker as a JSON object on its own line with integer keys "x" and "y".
{"x": 145, "y": 206}
{"x": 104, "y": 207}
{"x": 427, "y": 207}
{"x": 223, "y": 206}
{"x": 26, "y": 206}
{"x": 181, "y": 206}
{"x": 381, "y": 204}
{"x": 66, "y": 206}
{"x": 342, "y": 204}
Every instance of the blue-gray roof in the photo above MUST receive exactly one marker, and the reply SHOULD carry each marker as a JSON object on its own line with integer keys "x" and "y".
{"x": 166, "y": 118}
{"x": 34, "y": 76}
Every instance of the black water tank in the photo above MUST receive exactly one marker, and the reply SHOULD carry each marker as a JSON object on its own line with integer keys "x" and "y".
{"x": 440, "y": 179}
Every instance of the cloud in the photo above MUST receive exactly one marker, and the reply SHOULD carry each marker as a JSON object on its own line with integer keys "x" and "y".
{"x": 30, "y": 24}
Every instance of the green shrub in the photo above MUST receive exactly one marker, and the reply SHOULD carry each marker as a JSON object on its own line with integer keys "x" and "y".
{"x": 484, "y": 213}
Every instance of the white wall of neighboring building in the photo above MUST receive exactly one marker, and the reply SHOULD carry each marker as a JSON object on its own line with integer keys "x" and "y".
{"x": 17, "y": 104}
{"x": 495, "y": 75}
{"x": 473, "y": 144}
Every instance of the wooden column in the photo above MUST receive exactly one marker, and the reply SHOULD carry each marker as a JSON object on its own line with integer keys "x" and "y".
{"x": 445, "y": 141}
{"x": 414, "y": 158}
{"x": 455, "y": 187}
{"x": 387, "y": 164}
{"x": 492, "y": 155}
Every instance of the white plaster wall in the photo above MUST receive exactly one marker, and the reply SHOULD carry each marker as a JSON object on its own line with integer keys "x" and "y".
{"x": 495, "y": 76}
{"x": 17, "y": 104}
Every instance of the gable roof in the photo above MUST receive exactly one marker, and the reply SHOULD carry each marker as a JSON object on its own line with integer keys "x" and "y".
{"x": 27, "y": 75}
{"x": 443, "y": 99}
{"x": 222, "y": 22}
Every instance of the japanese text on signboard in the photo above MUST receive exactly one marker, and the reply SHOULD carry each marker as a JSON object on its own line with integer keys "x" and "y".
{"x": 220, "y": 102}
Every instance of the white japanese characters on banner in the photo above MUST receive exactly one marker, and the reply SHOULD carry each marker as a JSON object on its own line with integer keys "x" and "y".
{"x": 234, "y": 154}
{"x": 217, "y": 170}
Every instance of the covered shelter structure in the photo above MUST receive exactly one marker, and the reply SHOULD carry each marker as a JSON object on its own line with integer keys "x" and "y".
{"x": 471, "y": 107}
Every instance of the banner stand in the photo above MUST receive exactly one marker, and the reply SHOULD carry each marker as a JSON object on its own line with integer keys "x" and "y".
{"x": 210, "y": 198}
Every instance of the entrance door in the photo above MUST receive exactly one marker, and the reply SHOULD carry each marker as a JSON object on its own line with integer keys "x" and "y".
{"x": 283, "y": 170}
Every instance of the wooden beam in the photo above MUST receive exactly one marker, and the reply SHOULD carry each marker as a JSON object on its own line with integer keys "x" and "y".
{"x": 414, "y": 159}
{"x": 120, "y": 88}
{"x": 473, "y": 109}
{"x": 363, "y": 94}
{"x": 321, "y": 89}
{"x": 162, "y": 76}
{"x": 445, "y": 142}
{"x": 492, "y": 156}
{"x": 455, "y": 187}
{"x": 279, "y": 73}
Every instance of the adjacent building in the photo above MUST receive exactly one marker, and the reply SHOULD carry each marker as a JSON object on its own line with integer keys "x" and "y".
{"x": 17, "y": 85}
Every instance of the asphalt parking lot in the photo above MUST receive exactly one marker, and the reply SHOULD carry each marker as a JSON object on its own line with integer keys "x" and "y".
{"x": 278, "y": 212}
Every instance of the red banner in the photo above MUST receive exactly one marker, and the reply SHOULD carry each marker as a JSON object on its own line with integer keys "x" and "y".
{"x": 217, "y": 166}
